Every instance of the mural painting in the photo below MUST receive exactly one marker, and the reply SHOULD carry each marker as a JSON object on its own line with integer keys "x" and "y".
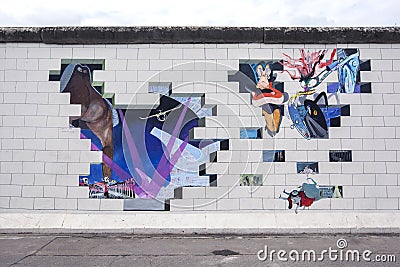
{"x": 146, "y": 153}
{"x": 251, "y": 180}
{"x": 310, "y": 192}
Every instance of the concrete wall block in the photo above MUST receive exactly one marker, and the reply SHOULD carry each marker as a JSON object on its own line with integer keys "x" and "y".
{"x": 376, "y": 191}
{"x": 67, "y": 180}
{"x": 193, "y": 192}
{"x": 342, "y": 204}
{"x": 55, "y": 168}
{"x": 88, "y": 204}
{"x": 204, "y": 204}
{"x": 393, "y": 191}
{"x": 23, "y": 155}
{"x": 105, "y": 52}
{"x": 392, "y": 167}
{"x": 387, "y": 203}
{"x": 25, "y": 109}
{"x": 181, "y": 204}
{"x": 32, "y": 191}
{"x": 78, "y": 192}
{"x": 79, "y": 144}
{"x": 14, "y": 98}
{"x": 362, "y": 132}
{"x": 57, "y": 122}
{"x": 46, "y": 156}
{"x": 14, "y": 52}
{"x": 251, "y": 203}
{"x": 59, "y": 98}
{"x": 213, "y": 53}
{"x": 70, "y": 110}
{"x": 91, "y": 156}
{"x": 217, "y": 192}
{"x": 228, "y": 204}
{"x": 33, "y": 167}
{"x": 363, "y": 179}
{"x": 5, "y": 178}
{"x": 83, "y": 53}
{"x": 240, "y": 192}
{"x": 37, "y": 98}
{"x": 10, "y": 190}
{"x": 44, "y": 203}
{"x": 78, "y": 168}
{"x": 21, "y": 203}
{"x": 49, "y": 110}
{"x": 44, "y": 179}
{"x": 354, "y": 192}
{"x": 55, "y": 191}
{"x": 37, "y": 75}
{"x": 49, "y": 64}
{"x": 24, "y": 132}
{"x": 69, "y": 133}
{"x": 66, "y": 204}
{"x": 112, "y": 204}
{"x": 47, "y": 132}
{"x": 263, "y": 192}
{"x": 127, "y": 53}
{"x": 4, "y": 202}
{"x": 11, "y": 167}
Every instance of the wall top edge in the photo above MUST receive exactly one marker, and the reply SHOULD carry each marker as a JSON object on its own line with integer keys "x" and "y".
{"x": 160, "y": 35}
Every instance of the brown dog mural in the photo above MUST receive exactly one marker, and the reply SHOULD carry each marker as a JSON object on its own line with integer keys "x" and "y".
{"x": 96, "y": 111}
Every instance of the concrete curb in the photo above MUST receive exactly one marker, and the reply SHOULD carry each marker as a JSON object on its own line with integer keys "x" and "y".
{"x": 201, "y": 223}
{"x": 135, "y": 35}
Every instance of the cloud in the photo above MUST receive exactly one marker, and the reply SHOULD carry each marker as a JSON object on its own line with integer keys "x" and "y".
{"x": 200, "y": 13}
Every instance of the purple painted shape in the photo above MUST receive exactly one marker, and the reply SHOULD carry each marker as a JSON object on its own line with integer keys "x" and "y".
{"x": 109, "y": 162}
{"x": 150, "y": 188}
{"x": 164, "y": 167}
{"x": 333, "y": 88}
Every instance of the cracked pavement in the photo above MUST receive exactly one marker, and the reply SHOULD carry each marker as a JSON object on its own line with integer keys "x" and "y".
{"x": 173, "y": 250}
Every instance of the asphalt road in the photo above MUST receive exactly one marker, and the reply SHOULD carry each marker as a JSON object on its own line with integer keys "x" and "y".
{"x": 120, "y": 250}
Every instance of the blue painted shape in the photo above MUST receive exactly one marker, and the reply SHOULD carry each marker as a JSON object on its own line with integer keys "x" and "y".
{"x": 298, "y": 123}
{"x": 248, "y": 133}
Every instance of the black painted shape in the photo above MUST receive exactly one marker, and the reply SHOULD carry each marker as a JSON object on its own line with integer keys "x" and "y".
{"x": 224, "y": 144}
{"x": 340, "y": 156}
{"x": 213, "y": 180}
{"x": 92, "y": 67}
{"x": 279, "y": 156}
{"x": 345, "y": 110}
{"x": 365, "y": 88}
{"x": 335, "y": 122}
{"x": 365, "y": 65}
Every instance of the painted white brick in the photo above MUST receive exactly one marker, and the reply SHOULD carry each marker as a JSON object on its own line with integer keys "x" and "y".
{"x": 387, "y": 204}
{"x": 363, "y": 179}
{"x": 55, "y": 191}
{"x": 204, "y": 204}
{"x": 12, "y": 144}
{"x": 88, "y": 204}
{"x": 23, "y": 155}
{"x": 32, "y": 191}
{"x": 24, "y": 132}
{"x": 43, "y": 204}
{"x": 127, "y": 53}
{"x": 33, "y": 167}
{"x": 385, "y": 156}
{"x": 79, "y": 168}
{"x": 10, "y": 190}
{"x": 13, "y": 52}
{"x": 263, "y": 192}
{"x": 353, "y": 192}
{"x": 240, "y": 192}
{"x": 392, "y": 167}
{"x": 364, "y": 155}
{"x": 375, "y": 191}
{"x": 55, "y": 168}
{"x": 193, "y": 192}
{"x": 342, "y": 204}
{"x": 112, "y": 204}
{"x": 82, "y": 53}
{"x": 274, "y": 204}
{"x": 390, "y": 99}
{"x": 37, "y": 144}
{"x": 196, "y": 53}
{"x": 15, "y": 75}
{"x": 61, "y": 52}
{"x": 251, "y": 203}
{"x": 386, "y": 179}
{"x": 38, "y": 52}
{"x": 44, "y": 179}
{"x": 21, "y": 203}
{"x": 11, "y": 167}
{"x": 59, "y": 98}
{"x": 365, "y": 203}
{"x": 373, "y": 144}
{"x": 217, "y": 192}
{"x": 385, "y": 88}
{"x": 5, "y": 178}
{"x": 219, "y": 53}
{"x": 47, "y": 133}
{"x": 228, "y": 204}
{"x": 27, "y": 64}
{"x": 49, "y": 64}
{"x": 392, "y": 121}
{"x": 4, "y": 202}
{"x": 149, "y": 53}
{"x": 370, "y": 53}
{"x": 181, "y": 204}
{"x": 78, "y": 192}
{"x": 66, "y": 204}
{"x": 393, "y": 191}
{"x": 379, "y": 65}
{"x": 67, "y": 180}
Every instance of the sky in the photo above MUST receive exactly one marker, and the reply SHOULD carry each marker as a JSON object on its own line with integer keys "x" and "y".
{"x": 257, "y": 13}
